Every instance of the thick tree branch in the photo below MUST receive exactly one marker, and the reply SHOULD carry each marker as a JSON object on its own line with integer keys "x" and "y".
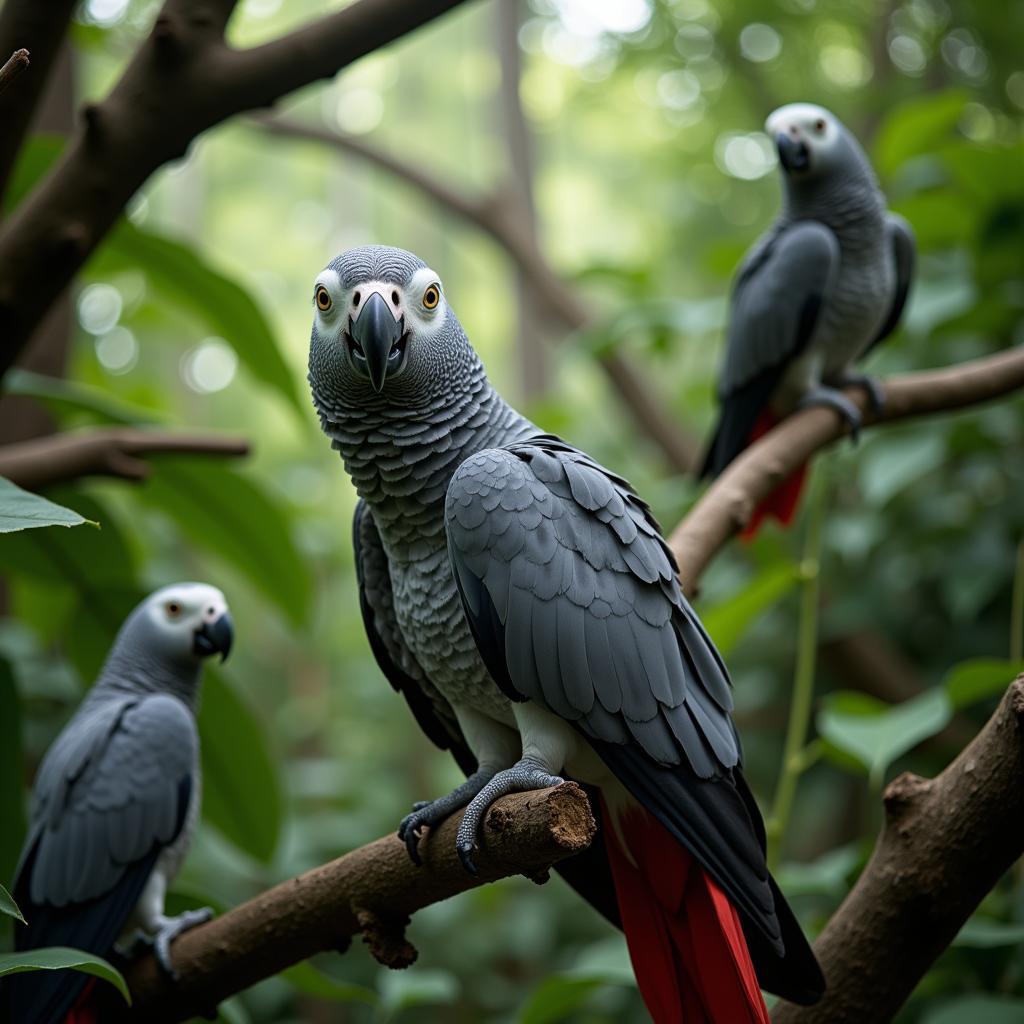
{"x": 39, "y": 28}
{"x": 107, "y": 451}
{"x": 727, "y": 505}
{"x": 372, "y": 890}
{"x": 183, "y": 80}
{"x": 503, "y": 217}
{"x": 945, "y": 843}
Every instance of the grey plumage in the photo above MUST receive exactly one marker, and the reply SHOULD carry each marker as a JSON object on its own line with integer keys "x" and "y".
{"x": 521, "y": 598}
{"x": 116, "y": 798}
{"x": 824, "y": 285}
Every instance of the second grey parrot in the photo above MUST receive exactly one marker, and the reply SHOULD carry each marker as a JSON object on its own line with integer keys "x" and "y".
{"x": 522, "y": 599}
{"x": 824, "y": 285}
{"x": 116, "y": 801}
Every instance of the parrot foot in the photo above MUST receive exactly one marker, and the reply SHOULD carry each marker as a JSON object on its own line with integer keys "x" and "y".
{"x": 427, "y": 813}
{"x": 170, "y": 928}
{"x": 832, "y": 398}
{"x": 529, "y": 773}
{"x": 872, "y": 386}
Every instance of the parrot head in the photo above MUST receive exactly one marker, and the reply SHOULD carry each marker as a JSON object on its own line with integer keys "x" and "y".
{"x": 812, "y": 142}
{"x": 383, "y": 332}
{"x": 181, "y": 624}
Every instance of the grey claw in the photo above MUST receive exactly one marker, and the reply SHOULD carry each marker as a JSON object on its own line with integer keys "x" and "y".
{"x": 465, "y": 851}
{"x": 420, "y": 804}
{"x": 162, "y": 940}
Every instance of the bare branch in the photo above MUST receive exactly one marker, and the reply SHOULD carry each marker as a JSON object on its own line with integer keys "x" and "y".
{"x": 183, "y": 80}
{"x": 727, "y": 505}
{"x": 372, "y": 890}
{"x": 108, "y": 451}
{"x": 11, "y": 71}
{"x": 505, "y": 220}
{"x": 945, "y": 843}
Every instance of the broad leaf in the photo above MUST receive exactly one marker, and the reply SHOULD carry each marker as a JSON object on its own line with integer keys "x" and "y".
{"x": 224, "y": 512}
{"x": 726, "y": 622}
{"x": 59, "y": 958}
{"x": 241, "y": 788}
{"x": 12, "y": 795}
{"x": 416, "y": 986}
{"x": 22, "y": 510}
{"x": 876, "y": 734}
{"x": 305, "y": 978}
{"x": 558, "y": 997}
{"x": 8, "y": 906}
{"x": 979, "y": 679}
{"x": 916, "y": 126}
{"x": 185, "y": 279}
{"x": 978, "y": 1009}
{"x": 980, "y": 933}
{"x": 64, "y": 397}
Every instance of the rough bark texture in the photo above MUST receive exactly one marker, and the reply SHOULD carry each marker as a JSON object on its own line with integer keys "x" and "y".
{"x": 727, "y": 505}
{"x": 183, "y": 79}
{"x": 945, "y": 843}
{"x": 372, "y": 890}
{"x": 107, "y": 451}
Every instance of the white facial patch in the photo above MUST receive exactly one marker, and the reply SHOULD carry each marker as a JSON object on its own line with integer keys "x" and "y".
{"x": 806, "y": 122}
{"x": 422, "y": 313}
{"x": 329, "y": 280}
{"x": 189, "y": 604}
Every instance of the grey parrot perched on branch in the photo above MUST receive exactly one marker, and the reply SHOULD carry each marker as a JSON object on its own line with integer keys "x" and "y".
{"x": 116, "y": 801}
{"x": 821, "y": 288}
{"x": 522, "y": 600}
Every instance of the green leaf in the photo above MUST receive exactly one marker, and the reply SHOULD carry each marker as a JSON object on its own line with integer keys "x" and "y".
{"x": 193, "y": 285}
{"x": 401, "y": 990}
{"x": 890, "y": 466}
{"x": 726, "y": 622}
{"x": 876, "y": 734}
{"x": 59, "y": 958}
{"x": 979, "y": 933}
{"x": 825, "y": 876}
{"x": 22, "y": 510}
{"x": 12, "y": 793}
{"x": 917, "y": 126}
{"x": 63, "y": 397}
{"x": 241, "y": 788}
{"x": 978, "y": 1009}
{"x": 305, "y": 978}
{"x": 36, "y": 157}
{"x": 978, "y": 679}
{"x": 224, "y": 512}
{"x": 557, "y": 997}
{"x": 7, "y": 904}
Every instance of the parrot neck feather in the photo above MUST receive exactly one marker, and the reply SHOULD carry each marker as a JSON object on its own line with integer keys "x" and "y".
{"x": 129, "y": 670}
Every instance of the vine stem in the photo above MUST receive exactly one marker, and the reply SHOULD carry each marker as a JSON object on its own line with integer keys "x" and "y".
{"x": 795, "y": 759}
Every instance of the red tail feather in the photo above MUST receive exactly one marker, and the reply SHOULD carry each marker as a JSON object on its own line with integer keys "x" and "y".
{"x": 84, "y": 1011}
{"x": 781, "y": 504}
{"x": 684, "y": 936}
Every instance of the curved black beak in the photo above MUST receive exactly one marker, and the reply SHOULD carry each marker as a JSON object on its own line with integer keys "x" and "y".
{"x": 793, "y": 153}
{"x": 214, "y": 638}
{"x": 377, "y": 339}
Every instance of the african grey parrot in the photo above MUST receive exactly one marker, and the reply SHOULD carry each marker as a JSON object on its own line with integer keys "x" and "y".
{"x": 824, "y": 285}
{"x": 521, "y": 598}
{"x": 116, "y": 801}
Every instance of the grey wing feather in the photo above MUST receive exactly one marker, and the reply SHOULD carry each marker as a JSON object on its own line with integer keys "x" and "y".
{"x": 776, "y": 302}
{"x": 108, "y": 792}
{"x": 904, "y": 252}
{"x": 376, "y": 601}
{"x": 595, "y": 625}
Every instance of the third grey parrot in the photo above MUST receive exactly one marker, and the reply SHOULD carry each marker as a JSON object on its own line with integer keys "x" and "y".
{"x": 824, "y": 285}
{"x": 521, "y": 598}
{"x": 116, "y": 800}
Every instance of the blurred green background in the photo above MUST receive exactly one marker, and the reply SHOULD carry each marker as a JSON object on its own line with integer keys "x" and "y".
{"x": 650, "y": 176}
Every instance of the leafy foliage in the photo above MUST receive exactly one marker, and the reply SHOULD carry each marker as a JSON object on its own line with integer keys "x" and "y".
{"x": 60, "y": 958}
{"x": 22, "y": 510}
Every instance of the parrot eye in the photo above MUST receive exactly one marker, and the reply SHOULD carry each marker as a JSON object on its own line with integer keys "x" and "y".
{"x": 173, "y": 609}
{"x": 819, "y": 125}
{"x": 323, "y": 299}
{"x": 431, "y": 297}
